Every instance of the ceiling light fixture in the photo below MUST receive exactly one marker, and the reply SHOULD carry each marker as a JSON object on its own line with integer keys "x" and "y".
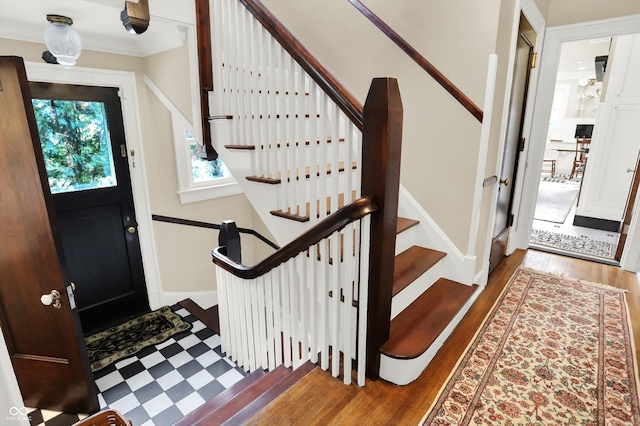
{"x": 62, "y": 40}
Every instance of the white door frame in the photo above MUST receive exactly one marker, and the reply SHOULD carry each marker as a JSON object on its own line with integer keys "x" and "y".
{"x": 125, "y": 81}
{"x": 529, "y": 177}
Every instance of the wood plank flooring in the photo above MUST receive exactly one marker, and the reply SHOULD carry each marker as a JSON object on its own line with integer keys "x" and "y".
{"x": 322, "y": 400}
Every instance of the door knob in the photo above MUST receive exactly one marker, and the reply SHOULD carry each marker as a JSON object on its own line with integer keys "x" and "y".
{"x": 52, "y": 298}
{"x": 505, "y": 181}
{"x": 131, "y": 229}
{"x": 631, "y": 170}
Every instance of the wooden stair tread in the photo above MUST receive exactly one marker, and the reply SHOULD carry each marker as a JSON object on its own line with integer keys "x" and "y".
{"x": 307, "y": 174}
{"x": 251, "y": 407}
{"x": 305, "y": 218}
{"x": 404, "y": 224}
{"x": 278, "y": 144}
{"x": 415, "y": 329}
{"x": 219, "y": 400}
{"x": 411, "y": 264}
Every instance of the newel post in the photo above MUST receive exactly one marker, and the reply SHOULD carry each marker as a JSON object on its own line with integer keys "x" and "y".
{"x": 381, "y": 141}
{"x": 229, "y": 238}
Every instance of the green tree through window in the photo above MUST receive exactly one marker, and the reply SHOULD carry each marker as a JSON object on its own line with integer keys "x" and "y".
{"x": 75, "y": 143}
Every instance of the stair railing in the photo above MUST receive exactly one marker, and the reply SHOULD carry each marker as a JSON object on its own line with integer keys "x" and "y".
{"x": 440, "y": 78}
{"x": 304, "y": 127}
{"x": 310, "y": 136}
{"x": 315, "y": 298}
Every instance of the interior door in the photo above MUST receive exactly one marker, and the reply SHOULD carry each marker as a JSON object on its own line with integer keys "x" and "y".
{"x": 513, "y": 145}
{"x": 85, "y": 152}
{"x": 45, "y": 342}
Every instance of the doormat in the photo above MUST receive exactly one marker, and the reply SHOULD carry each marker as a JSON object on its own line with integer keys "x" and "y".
{"x": 119, "y": 342}
{"x": 574, "y": 244}
{"x": 552, "y": 350}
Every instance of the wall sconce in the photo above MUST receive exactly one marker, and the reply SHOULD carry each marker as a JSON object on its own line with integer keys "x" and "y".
{"x": 62, "y": 40}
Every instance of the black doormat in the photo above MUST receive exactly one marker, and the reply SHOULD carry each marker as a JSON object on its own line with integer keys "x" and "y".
{"x": 124, "y": 340}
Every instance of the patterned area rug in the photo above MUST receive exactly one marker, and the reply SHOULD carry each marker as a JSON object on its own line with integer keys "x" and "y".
{"x": 126, "y": 339}
{"x": 552, "y": 351}
{"x": 571, "y": 243}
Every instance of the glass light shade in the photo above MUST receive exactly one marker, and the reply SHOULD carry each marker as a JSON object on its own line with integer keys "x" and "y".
{"x": 62, "y": 40}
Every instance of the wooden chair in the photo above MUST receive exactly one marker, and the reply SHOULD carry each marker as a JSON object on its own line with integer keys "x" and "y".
{"x": 552, "y": 163}
{"x": 580, "y": 157}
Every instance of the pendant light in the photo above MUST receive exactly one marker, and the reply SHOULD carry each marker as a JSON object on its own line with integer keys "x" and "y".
{"x": 62, "y": 40}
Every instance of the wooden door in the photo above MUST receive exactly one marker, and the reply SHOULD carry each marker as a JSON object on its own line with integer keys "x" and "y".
{"x": 45, "y": 343}
{"x": 82, "y": 136}
{"x": 513, "y": 146}
{"x": 628, "y": 210}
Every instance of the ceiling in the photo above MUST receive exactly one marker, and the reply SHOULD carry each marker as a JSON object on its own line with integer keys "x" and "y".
{"x": 579, "y": 56}
{"x": 98, "y": 23}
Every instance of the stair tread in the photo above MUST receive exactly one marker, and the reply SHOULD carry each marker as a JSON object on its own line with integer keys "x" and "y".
{"x": 253, "y": 406}
{"x": 411, "y": 264}
{"x": 404, "y": 224}
{"x": 415, "y": 329}
{"x": 222, "y": 398}
{"x": 305, "y": 218}
{"x": 307, "y": 174}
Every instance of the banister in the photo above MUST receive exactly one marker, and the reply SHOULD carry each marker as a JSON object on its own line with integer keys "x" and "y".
{"x": 318, "y": 72}
{"x": 332, "y": 223}
{"x": 419, "y": 59}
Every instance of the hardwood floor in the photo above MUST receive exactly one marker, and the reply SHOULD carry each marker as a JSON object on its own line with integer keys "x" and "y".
{"x": 321, "y": 399}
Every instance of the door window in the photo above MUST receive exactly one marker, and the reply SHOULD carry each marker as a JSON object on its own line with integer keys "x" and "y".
{"x": 76, "y": 145}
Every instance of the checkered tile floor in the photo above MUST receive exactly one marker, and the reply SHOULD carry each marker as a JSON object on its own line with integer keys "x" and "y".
{"x": 162, "y": 383}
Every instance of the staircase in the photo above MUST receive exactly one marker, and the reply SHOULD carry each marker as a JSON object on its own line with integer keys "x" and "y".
{"x": 238, "y": 403}
{"x": 298, "y": 158}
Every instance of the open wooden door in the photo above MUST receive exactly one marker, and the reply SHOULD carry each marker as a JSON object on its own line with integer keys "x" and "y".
{"x": 628, "y": 210}
{"x": 45, "y": 342}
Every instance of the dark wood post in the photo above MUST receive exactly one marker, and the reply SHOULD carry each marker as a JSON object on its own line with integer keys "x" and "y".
{"x": 381, "y": 145}
{"x": 205, "y": 67}
{"x": 229, "y": 238}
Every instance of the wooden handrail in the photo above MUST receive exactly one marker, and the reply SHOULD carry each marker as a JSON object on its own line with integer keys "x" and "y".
{"x": 332, "y": 223}
{"x": 419, "y": 59}
{"x": 318, "y": 72}
{"x": 198, "y": 224}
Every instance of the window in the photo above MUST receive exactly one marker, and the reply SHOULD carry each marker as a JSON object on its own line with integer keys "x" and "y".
{"x": 205, "y": 172}
{"x": 76, "y": 144}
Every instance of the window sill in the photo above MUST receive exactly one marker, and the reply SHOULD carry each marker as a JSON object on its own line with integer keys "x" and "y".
{"x": 209, "y": 192}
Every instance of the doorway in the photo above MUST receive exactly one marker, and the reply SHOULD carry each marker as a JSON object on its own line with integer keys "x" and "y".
{"x": 584, "y": 186}
{"x": 85, "y": 153}
{"x": 514, "y": 142}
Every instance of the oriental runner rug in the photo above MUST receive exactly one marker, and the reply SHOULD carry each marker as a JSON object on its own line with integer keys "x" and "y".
{"x": 122, "y": 341}
{"x": 552, "y": 351}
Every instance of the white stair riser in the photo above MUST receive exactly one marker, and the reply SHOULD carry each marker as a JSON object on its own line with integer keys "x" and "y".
{"x": 406, "y": 239}
{"x": 403, "y": 299}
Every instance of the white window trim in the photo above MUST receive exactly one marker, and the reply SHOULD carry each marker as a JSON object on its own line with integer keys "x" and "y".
{"x": 188, "y": 191}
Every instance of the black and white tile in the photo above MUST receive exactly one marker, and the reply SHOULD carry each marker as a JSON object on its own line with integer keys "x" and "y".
{"x": 161, "y": 384}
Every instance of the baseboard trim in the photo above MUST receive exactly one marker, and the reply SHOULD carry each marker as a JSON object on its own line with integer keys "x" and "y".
{"x": 205, "y": 299}
{"x": 595, "y": 223}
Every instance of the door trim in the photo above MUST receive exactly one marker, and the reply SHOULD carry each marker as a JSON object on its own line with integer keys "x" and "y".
{"x": 126, "y": 82}
{"x": 529, "y": 9}
{"x": 534, "y": 153}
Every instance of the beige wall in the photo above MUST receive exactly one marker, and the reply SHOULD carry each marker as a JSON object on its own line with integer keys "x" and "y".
{"x": 564, "y": 12}
{"x": 183, "y": 252}
{"x": 440, "y": 138}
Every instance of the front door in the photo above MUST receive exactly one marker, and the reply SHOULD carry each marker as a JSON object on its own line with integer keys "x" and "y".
{"x": 42, "y": 334}
{"x": 512, "y": 148}
{"x": 85, "y": 153}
